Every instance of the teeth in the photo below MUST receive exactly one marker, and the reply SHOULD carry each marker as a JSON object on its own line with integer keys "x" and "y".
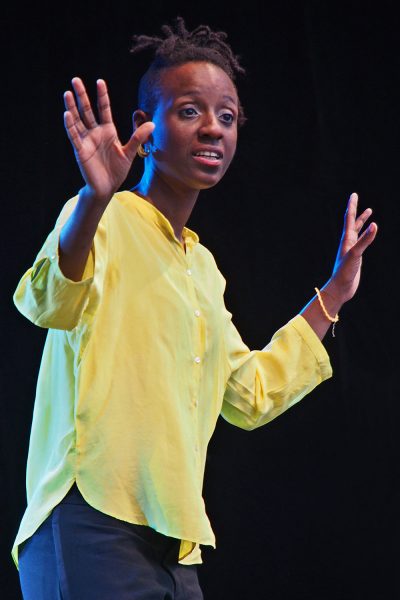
{"x": 209, "y": 154}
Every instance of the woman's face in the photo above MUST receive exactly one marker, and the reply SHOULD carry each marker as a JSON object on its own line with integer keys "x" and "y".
{"x": 196, "y": 126}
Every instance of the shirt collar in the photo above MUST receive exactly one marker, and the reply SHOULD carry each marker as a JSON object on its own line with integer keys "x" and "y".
{"x": 151, "y": 213}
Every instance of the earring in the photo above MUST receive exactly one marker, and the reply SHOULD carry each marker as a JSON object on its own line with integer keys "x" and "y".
{"x": 142, "y": 152}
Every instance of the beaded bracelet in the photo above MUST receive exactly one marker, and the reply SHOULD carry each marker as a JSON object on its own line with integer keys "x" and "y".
{"x": 334, "y": 319}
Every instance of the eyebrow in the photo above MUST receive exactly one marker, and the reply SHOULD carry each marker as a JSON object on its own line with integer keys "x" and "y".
{"x": 197, "y": 93}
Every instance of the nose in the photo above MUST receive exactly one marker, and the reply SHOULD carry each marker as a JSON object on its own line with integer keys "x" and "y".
{"x": 211, "y": 127}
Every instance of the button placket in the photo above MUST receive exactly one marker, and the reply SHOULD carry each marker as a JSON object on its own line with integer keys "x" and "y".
{"x": 197, "y": 353}
{"x": 197, "y": 350}
{"x": 197, "y": 357}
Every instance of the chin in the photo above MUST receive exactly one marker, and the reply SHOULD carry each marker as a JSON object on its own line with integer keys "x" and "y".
{"x": 209, "y": 182}
{"x": 207, "y": 186}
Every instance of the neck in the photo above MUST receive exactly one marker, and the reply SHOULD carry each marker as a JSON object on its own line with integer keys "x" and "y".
{"x": 174, "y": 201}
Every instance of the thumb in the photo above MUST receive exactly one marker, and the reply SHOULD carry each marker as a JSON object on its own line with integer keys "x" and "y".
{"x": 139, "y": 136}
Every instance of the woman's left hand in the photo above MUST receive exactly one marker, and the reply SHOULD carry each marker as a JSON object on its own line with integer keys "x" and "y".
{"x": 345, "y": 277}
{"x": 347, "y": 269}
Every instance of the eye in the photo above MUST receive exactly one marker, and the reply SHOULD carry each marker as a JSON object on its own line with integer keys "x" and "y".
{"x": 188, "y": 112}
{"x": 227, "y": 118}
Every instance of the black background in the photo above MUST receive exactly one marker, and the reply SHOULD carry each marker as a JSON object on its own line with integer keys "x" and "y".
{"x": 306, "y": 507}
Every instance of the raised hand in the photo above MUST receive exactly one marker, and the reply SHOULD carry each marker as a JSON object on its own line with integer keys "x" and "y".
{"x": 345, "y": 277}
{"x": 346, "y": 272}
{"x": 103, "y": 161}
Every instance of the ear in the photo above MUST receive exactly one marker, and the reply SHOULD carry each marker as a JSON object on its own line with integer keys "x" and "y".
{"x": 139, "y": 117}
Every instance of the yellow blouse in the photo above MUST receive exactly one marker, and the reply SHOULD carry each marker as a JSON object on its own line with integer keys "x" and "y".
{"x": 140, "y": 359}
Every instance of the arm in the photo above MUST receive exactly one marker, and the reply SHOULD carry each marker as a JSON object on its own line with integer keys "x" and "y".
{"x": 345, "y": 278}
{"x": 104, "y": 163}
{"x": 263, "y": 384}
{"x": 52, "y": 293}
{"x": 44, "y": 295}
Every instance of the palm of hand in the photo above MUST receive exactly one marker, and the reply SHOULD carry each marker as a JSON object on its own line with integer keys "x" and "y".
{"x": 347, "y": 268}
{"x": 103, "y": 161}
{"x": 101, "y": 158}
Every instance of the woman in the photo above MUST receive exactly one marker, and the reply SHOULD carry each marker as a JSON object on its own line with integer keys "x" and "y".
{"x": 141, "y": 355}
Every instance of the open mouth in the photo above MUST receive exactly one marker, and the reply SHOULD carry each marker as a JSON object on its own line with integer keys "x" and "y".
{"x": 208, "y": 157}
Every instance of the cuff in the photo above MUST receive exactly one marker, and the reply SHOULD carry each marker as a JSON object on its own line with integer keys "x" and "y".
{"x": 314, "y": 344}
{"x": 50, "y": 253}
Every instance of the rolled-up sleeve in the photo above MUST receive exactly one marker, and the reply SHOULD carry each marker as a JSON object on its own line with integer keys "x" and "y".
{"x": 44, "y": 295}
{"x": 264, "y": 383}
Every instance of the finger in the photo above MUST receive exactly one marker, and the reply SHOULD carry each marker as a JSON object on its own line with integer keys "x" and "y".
{"x": 72, "y": 132}
{"x": 351, "y": 211}
{"x": 365, "y": 239}
{"x": 140, "y": 136}
{"x": 103, "y": 102}
{"x": 361, "y": 220}
{"x": 84, "y": 106}
{"x": 70, "y": 106}
{"x": 347, "y": 239}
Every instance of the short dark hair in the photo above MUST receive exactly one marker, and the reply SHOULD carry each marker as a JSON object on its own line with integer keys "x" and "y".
{"x": 178, "y": 47}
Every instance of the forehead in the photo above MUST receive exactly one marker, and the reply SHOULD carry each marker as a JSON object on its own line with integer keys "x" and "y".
{"x": 201, "y": 78}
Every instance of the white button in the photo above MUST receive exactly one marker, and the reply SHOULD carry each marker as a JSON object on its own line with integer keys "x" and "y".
{"x": 189, "y": 272}
{"x": 195, "y": 402}
{"x": 197, "y": 313}
{"x": 53, "y": 257}
{"x": 197, "y": 359}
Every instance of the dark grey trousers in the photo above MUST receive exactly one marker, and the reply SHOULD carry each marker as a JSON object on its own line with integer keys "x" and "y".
{"x": 79, "y": 553}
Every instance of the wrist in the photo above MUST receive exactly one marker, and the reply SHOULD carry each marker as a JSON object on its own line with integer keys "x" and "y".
{"x": 93, "y": 201}
{"x": 332, "y": 297}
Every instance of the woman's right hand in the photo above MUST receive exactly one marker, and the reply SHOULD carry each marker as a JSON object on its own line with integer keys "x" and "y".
{"x": 103, "y": 161}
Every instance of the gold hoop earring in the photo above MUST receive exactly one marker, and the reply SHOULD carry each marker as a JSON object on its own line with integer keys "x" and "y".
{"x": 142, "y": 152}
